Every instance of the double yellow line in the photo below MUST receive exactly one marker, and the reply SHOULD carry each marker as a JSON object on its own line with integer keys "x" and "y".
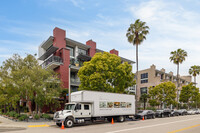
{"x": 38, "y": 126}
{"x": 184, "y": 129}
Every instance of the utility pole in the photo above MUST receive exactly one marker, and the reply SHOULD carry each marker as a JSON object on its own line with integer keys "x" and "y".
{"x": 69, "y": 89}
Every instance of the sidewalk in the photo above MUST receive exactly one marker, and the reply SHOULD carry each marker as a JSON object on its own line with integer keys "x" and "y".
{"x": 9, "y": 123}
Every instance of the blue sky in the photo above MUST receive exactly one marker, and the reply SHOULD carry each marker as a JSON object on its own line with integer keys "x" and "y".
{"x": 24, "y": 24}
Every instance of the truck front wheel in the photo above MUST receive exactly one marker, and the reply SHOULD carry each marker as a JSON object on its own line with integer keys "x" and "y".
{"x": 69, "y": 123}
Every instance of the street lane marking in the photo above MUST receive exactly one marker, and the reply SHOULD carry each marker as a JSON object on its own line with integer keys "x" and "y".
{"x": 123, "y": 130}
{"x": 38, "y": 126}
{"x": 184, "y": 129}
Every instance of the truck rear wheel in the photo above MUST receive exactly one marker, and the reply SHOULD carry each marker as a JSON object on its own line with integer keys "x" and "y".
{"x": 120, "y": 119}
{"x": 69, "y": 123}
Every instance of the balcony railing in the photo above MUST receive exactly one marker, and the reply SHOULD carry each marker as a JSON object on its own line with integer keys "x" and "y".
{"x": 52, "y": 62}
{"x": 75, "y": 81}
{"x": 75, "y": 62}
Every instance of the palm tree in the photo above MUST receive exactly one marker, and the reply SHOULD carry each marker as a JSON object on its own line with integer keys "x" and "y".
{"x": 178, "y": 57}
{"x": 194, "y": 71}
{"x": 136, "y": 34}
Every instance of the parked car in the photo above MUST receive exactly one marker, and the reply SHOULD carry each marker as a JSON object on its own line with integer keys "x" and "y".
{"x": 163, "y": 113}
{"x": 167, "y": 112}
{"x": 147, "y": 114}
{"x": 159, "y": 113}
{"x": 182, "y": 111}
{"x": 191, "y": 112}
{"x": 197, "y": 111}
{"x": 174, "y": 113}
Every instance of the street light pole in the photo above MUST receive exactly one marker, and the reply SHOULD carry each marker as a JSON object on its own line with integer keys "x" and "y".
{"x": 69, "y": 89}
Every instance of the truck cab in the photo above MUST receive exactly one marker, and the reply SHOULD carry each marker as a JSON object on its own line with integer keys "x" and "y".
{"x": 75, "y": 112}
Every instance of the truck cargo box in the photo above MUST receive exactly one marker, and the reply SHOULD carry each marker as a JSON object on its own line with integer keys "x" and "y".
{"x": 106, "y": 104}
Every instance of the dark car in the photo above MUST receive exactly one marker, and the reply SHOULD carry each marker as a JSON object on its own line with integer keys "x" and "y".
{"x": 163, "y": 113}
{"x": 147, "y": 114}
{"x": 167, "y": 112}
{"x": 159, "y": 113}
{"x": 182, "y": 111}
{"x": 174, "y": 113}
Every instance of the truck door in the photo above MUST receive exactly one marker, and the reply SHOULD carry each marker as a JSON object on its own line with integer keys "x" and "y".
{"x": 78, "y": 111}
{"x": 87, "y": 110}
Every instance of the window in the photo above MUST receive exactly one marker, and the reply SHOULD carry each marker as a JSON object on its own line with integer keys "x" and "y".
{"x": 86, "y": 107}
{"x": 143, "y": 90}
{"x": 144, "y": 78}
{"x": 69, "y": 106}
{"x": 78, "y": 107}
{"x": 71, "y": 50}
{"x": 144, "y": 81}
{"x": 162, "y": 76}
{"x": 82, "y": 51}
{"x": 144, "y": 75}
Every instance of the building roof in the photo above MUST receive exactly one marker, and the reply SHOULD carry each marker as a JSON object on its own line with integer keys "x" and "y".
{"x": 123, "y": 59}
{"x": 75, "y": 43}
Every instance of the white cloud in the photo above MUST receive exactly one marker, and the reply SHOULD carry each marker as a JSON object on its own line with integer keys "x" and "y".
{"x": 171, "y": 27}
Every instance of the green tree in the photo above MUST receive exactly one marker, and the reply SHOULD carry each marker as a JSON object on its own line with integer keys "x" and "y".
{"x": 143, "y": 98}
{"x": 25, "y": 79}
{"x": 153, "y": 96}
{"x": 105, "y": 72}
{"x": 178, "y": 57}
{"x": 190, "y": 94}
{"x": 164, "y": 93}
{"x": 136, "y": 34}
{"x": 194, "y": 71}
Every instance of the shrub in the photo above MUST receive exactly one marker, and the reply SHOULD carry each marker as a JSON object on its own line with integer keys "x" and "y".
{"x": 23, "y": 117}
{"x": 12, "y": 114}
{"x": 37, "y": 117}
{"x": 46, "y": 116}
{"x": 17, "y": 115}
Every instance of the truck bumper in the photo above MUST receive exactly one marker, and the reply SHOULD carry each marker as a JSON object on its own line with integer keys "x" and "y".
{"x": 58, "y": 120}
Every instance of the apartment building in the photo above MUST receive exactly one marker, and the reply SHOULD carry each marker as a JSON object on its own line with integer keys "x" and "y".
{"x": 61, "y": 54}
{"x": 152, "y": 77}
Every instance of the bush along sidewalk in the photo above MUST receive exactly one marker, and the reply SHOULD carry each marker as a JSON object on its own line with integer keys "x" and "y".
{"x": 24, "y": 117}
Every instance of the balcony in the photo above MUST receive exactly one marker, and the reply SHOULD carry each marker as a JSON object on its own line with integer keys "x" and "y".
{"x": 75, "y": 81}
{"x": 52, "y": 62}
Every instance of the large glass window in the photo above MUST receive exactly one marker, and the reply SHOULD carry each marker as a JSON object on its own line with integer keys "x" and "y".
{"x": 144, "y": 78}
{"x": 144, "y": 81}
{"x": 144, "y": 75}
{"x": 82, "y": 51}
{"x": 71, "y": 51}
{"x": 143, "y": 90}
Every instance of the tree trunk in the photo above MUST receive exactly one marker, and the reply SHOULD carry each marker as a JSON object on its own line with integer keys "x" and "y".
{"x": 136, "y": 89}
{"x": 144, "y": 104}
{"x": 36, "y": 108}
{"x": 39, "y": 111}
{"x": 5, "y": 108}
{"x": 29, "y": 107}
{"x": 177, "y": 86}
{"x": 195, "y": 80}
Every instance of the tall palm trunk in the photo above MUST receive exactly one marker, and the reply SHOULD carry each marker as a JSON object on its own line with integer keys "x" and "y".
{"x": 177, "y": 85}
{"x": 137, "y": 75}
{"x": 195, "y": 80}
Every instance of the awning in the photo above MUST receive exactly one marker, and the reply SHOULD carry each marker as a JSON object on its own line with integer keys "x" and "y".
{"x": 50, "y": 51}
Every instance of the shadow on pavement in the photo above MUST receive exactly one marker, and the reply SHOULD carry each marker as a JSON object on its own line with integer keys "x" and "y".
{"x": 7, "y": 129}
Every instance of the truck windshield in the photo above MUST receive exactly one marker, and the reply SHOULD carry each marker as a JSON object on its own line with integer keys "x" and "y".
{"x": 69, "y": 106}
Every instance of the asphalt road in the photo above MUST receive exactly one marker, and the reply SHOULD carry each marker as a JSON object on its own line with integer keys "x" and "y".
{"x": 180, "y": 124}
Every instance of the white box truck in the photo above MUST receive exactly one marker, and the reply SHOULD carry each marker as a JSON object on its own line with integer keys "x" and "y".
{"x": 93, "y": 105}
